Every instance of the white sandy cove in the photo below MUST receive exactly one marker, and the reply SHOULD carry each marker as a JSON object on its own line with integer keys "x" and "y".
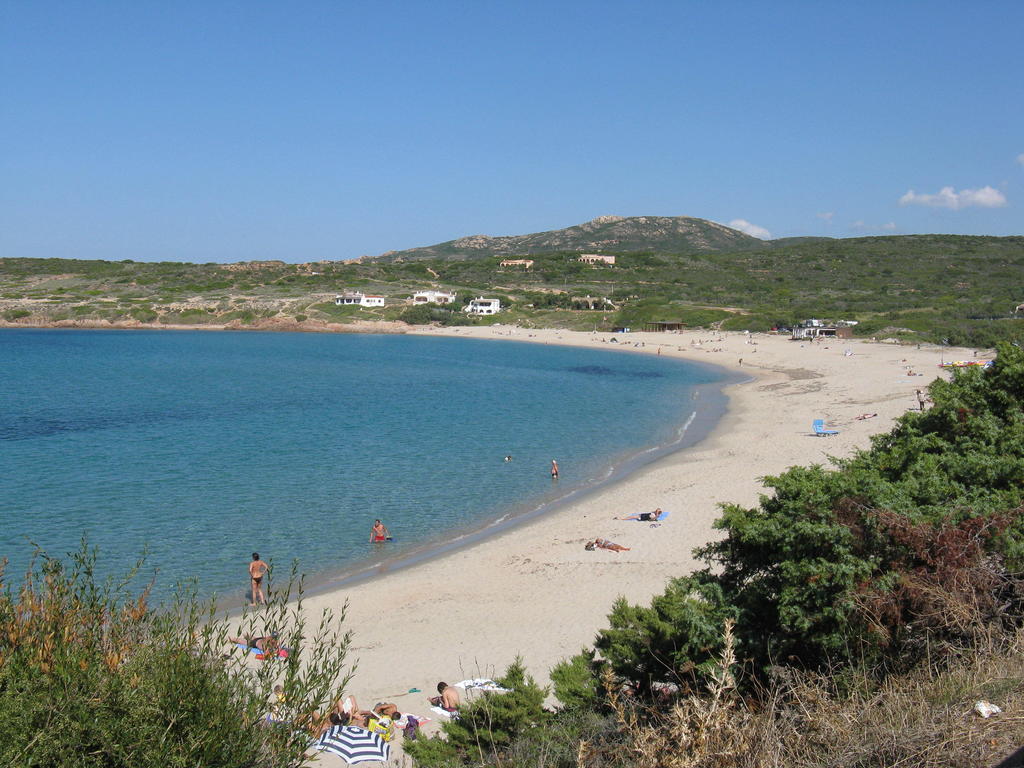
{"x": 535, "y": 591}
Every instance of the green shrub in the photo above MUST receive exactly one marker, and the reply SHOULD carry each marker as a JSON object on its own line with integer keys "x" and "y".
{"x": 143, "y": 315}
{"x": 575, "y": 682}
{"x": 424, "y": 314}
{"x": 244, "y": 316}
{"x": 91, "y": 675}
{"x": 15, "y": 314}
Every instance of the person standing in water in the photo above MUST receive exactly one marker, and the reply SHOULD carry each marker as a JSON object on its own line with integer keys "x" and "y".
{"x": 257, "y": 569}
{"x": 379, "y": 532}
{"x": 554, "y": 469}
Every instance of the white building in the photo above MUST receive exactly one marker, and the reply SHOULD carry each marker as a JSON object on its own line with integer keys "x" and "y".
{"x": 358, "y": 299}
{"x": 482, "y": 306}
{"x": 823, "y": 329}
{"x": 527, "y": 263}
{"x": 433, "y": 297}
{"x": 597, "y": 258}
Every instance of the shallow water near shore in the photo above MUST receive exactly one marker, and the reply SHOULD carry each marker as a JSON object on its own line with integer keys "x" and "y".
{"x": 204, "y": 447}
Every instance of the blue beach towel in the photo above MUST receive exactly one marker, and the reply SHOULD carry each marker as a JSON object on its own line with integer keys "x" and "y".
{"x": 659, "y": 519}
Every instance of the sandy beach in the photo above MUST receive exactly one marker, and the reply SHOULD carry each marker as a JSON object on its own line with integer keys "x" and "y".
{"x": 535, "y": 591}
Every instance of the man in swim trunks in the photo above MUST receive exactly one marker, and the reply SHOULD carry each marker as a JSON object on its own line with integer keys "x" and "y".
{"x": 379, "y": 532}
{"x": 554, "y": 469}
{"x": 257, "y": 569}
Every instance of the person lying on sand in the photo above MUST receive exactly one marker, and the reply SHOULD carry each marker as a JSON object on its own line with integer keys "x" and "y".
{"x": 266, "y": 644}
{"x": 387, "y": 709}
{"x": 644, "y": 516}
{"x": 865, "y": 416}
{"x": 329, "y": 722}
{"x": 605, "y": 544}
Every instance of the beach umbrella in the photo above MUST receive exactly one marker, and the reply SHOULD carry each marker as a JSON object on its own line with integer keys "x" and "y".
{"x": 354, "y": 745}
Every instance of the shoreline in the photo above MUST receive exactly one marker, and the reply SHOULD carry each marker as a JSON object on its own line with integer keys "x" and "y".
{"x": 505, "y": 521}
{"x": 533, "y": 590}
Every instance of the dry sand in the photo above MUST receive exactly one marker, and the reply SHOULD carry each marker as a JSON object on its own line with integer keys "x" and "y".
{"x": 534, "y": 591}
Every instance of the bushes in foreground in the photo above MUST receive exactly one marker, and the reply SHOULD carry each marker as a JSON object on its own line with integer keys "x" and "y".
{"x": 92, "y": 675}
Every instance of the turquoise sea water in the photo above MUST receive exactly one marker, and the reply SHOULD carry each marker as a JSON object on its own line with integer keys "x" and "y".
{"x": 206, "y": 446}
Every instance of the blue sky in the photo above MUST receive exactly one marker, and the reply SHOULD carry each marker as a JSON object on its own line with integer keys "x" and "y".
{"x": 225, "y": 131}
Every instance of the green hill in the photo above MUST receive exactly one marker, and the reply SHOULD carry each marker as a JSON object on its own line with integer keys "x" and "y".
{"x": 617, "y": 234}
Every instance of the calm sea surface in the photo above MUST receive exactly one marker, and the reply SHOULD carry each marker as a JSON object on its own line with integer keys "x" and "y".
{"x": 206, "y": 446}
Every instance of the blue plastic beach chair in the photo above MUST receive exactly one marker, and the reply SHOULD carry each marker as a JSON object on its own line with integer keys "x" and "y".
{"x": 819, "y": 428}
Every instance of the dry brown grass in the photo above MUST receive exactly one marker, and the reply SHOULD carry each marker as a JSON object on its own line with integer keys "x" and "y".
{"x": 922, "y": 719}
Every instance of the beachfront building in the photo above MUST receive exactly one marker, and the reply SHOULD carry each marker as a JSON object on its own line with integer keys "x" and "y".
{"x": 592, "y": 302}
{"x": 824, "y": 329}
{"x": 596, "y": 258}
{"x": 355, "y": 298}
{"x": 525, "y": 263}
{"x": 433, "y": 297}
{"x": 665, "y": 326}
{"x": 482, "y": 306}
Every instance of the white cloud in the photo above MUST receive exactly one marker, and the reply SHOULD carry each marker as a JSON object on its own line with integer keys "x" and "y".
{"x": 1020, "y": 158}
{"x": 890, "y": 226}
{"x": 751, "y": 229}
{"x": 986, "y": 197}
{"x": 827, "y": 216}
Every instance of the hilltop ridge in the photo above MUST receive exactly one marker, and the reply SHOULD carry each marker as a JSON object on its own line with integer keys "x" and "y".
{"x": 660, "y": 234}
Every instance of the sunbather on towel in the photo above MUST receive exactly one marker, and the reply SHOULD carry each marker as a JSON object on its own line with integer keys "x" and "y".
{"x": 448, "y": 698}
{"x": 605, "y": 544}
{"x": 267, "y": 643}
{"x": 644, "y": 516}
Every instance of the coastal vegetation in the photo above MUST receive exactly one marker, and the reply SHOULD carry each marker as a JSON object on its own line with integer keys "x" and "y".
{"x": 92, "y": 675}
{"x": 951, "y": 289}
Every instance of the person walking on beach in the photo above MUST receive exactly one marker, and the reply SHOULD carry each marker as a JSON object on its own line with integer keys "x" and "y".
{"x": 554, "y": 469}
{"x": 257, "y": 569}
{"x": 379, "y": 532}
{"x": 920, "y": 399}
